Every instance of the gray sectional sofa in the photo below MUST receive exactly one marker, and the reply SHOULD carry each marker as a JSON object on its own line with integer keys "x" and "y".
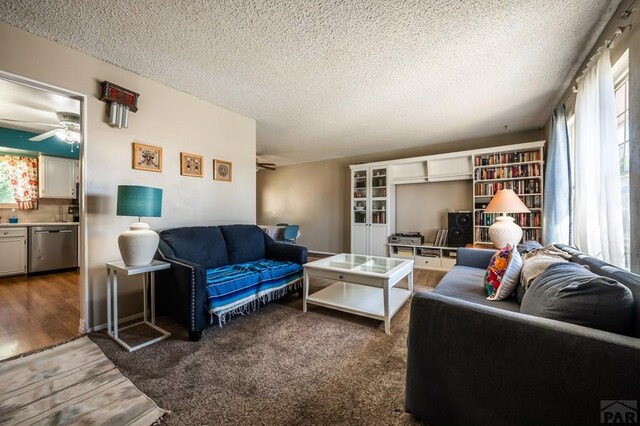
{"x": 472, "y": 361}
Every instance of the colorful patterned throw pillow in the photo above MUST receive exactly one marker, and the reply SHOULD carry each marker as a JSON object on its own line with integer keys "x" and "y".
{"x": 503, "y": 273}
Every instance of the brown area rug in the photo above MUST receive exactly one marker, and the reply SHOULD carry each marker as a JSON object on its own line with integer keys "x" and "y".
{"x": 278, "y": 366}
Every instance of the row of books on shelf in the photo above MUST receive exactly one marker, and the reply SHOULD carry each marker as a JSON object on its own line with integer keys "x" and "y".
{"x": 522, "y": 219}
{"x": 379, "y": 217}
{"x": 427, "y": 252}
{"x": 525, "y": 170}
{"x": 482, "y": 235}
{"x": 404, "y": 251}
{"x": 379, "y": 181}
{"x": 528, "y": 186}
{"x": 441, "y": 238}
{"x": 531, "y": 201}
{"x": 507, "y": 157}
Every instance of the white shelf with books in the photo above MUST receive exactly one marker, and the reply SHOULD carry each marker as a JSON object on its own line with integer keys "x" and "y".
{"x": 520, "y": 170}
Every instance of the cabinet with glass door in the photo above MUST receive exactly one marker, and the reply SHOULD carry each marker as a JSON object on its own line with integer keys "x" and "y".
{"x": 371, "y": 220}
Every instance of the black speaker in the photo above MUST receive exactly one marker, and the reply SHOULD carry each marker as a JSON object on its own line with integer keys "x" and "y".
{"x": 460, "y": 229}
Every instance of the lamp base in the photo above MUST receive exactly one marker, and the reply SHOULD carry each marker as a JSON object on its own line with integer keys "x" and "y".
{"x": 504, "y": 231}
{"x": 138, "y": 245}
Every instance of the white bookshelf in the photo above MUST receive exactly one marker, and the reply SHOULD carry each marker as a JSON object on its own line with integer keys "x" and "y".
{"x": 520, "y": 169}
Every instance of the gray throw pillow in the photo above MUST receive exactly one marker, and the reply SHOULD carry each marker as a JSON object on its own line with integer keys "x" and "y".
{"x": 528, "y": 246}
{"x": 568, "y": 292}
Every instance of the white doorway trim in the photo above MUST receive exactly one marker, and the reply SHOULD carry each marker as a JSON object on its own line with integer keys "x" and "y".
{"x": 84, "y": 274}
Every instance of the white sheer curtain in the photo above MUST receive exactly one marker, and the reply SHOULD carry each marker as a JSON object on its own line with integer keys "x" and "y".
{"x": 598, "y": 205}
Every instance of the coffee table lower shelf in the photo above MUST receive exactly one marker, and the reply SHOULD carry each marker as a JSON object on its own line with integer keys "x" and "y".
{"x": 359, "y": 299}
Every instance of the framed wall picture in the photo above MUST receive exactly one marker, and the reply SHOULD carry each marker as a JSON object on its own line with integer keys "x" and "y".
{"x": 222, "y": 170}
{"x": 147, "y": 157}
{"x": 191, "y": 164}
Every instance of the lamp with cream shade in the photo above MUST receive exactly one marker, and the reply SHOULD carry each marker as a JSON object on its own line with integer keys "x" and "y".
{"x": 504, "y": 230}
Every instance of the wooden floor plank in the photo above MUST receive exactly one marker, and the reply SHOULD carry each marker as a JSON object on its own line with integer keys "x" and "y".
{"x": 38, "y": 311}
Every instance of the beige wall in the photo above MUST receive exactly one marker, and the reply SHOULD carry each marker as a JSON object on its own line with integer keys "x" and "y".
{"x": 423, "y": 207}
{"x": 310, "y": 195}
{"x": 317, "y": 195}
{"x": 167, "y": 118}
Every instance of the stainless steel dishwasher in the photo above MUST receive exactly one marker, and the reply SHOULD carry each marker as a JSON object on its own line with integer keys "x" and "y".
{"x": 52, "y": 247}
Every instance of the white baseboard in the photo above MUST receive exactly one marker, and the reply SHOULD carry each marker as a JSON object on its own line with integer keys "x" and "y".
{"x": 120, "y": 321}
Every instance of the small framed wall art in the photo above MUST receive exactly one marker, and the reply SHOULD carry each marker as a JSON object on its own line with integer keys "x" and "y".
{"x": 147, "y": 157}
{"x": 222, "y": 170}
{"x": 191, "y": 164}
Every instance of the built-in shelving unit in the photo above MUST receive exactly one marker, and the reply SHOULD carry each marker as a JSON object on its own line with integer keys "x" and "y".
{"x": 425, "y": 256}
{"x": 373, "y": 185}
{"x": 519, "y": 169}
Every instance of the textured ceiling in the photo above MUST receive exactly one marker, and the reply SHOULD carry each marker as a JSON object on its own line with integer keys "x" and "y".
{"x": 335, "y": 78}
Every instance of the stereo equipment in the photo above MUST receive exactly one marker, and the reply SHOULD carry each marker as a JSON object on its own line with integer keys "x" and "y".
{"x": 413, "y": 238}
{"x": 460, "y": 229}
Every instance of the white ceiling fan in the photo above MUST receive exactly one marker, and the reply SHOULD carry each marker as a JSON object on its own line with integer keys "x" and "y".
{"x": 67, "y": 129}
{"x": 266, "y": 166}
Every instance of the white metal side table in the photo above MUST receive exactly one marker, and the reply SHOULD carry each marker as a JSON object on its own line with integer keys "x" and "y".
{"x": 148, "y": 271}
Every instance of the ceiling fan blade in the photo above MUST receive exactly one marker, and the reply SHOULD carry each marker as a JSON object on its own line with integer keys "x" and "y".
{"x": 43, "y": 136}
{"x": 59, "y": 126}
{"x": 268, "y": 166}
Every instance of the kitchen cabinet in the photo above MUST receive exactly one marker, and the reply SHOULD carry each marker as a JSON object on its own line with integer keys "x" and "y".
{"x": 13, "y": 251}
{"x": 57, "y": 177}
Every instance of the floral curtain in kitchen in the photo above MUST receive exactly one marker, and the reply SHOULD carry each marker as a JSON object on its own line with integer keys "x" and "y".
{"x": 23, "y": 179}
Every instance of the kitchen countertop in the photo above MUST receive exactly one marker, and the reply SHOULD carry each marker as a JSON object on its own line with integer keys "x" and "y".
{"x": 14, "y": 225}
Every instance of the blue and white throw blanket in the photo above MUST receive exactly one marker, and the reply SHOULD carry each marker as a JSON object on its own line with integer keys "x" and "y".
{"x": 240, "y": 288}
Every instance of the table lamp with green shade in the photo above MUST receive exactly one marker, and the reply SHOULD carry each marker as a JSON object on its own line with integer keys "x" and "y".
{"x": 504, "y": 231}
{"x": 138, "y": 245}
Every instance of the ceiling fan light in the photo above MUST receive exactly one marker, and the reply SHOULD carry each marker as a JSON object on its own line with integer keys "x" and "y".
{"x": 73, "y": 137}
{"x": 68, "y": 136}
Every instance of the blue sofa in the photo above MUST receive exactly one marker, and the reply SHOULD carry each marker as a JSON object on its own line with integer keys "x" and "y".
{"x": 219, "y": 271}
{"x": 477, "y": 362}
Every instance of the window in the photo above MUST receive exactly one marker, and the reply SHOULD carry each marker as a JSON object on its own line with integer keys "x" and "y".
{"x": 6, "y": 196}
{"x": 621, "y": 80}
{"x": 621, "y": 87}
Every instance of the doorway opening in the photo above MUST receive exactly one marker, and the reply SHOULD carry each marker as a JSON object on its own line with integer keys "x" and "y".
{"x": 43, "y": 276}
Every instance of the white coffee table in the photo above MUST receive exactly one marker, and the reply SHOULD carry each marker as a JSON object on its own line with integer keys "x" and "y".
{"x": 365, "y": 285}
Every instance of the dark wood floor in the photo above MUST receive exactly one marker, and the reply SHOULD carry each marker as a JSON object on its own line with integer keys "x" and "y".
{"x": 38, "y": 311}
